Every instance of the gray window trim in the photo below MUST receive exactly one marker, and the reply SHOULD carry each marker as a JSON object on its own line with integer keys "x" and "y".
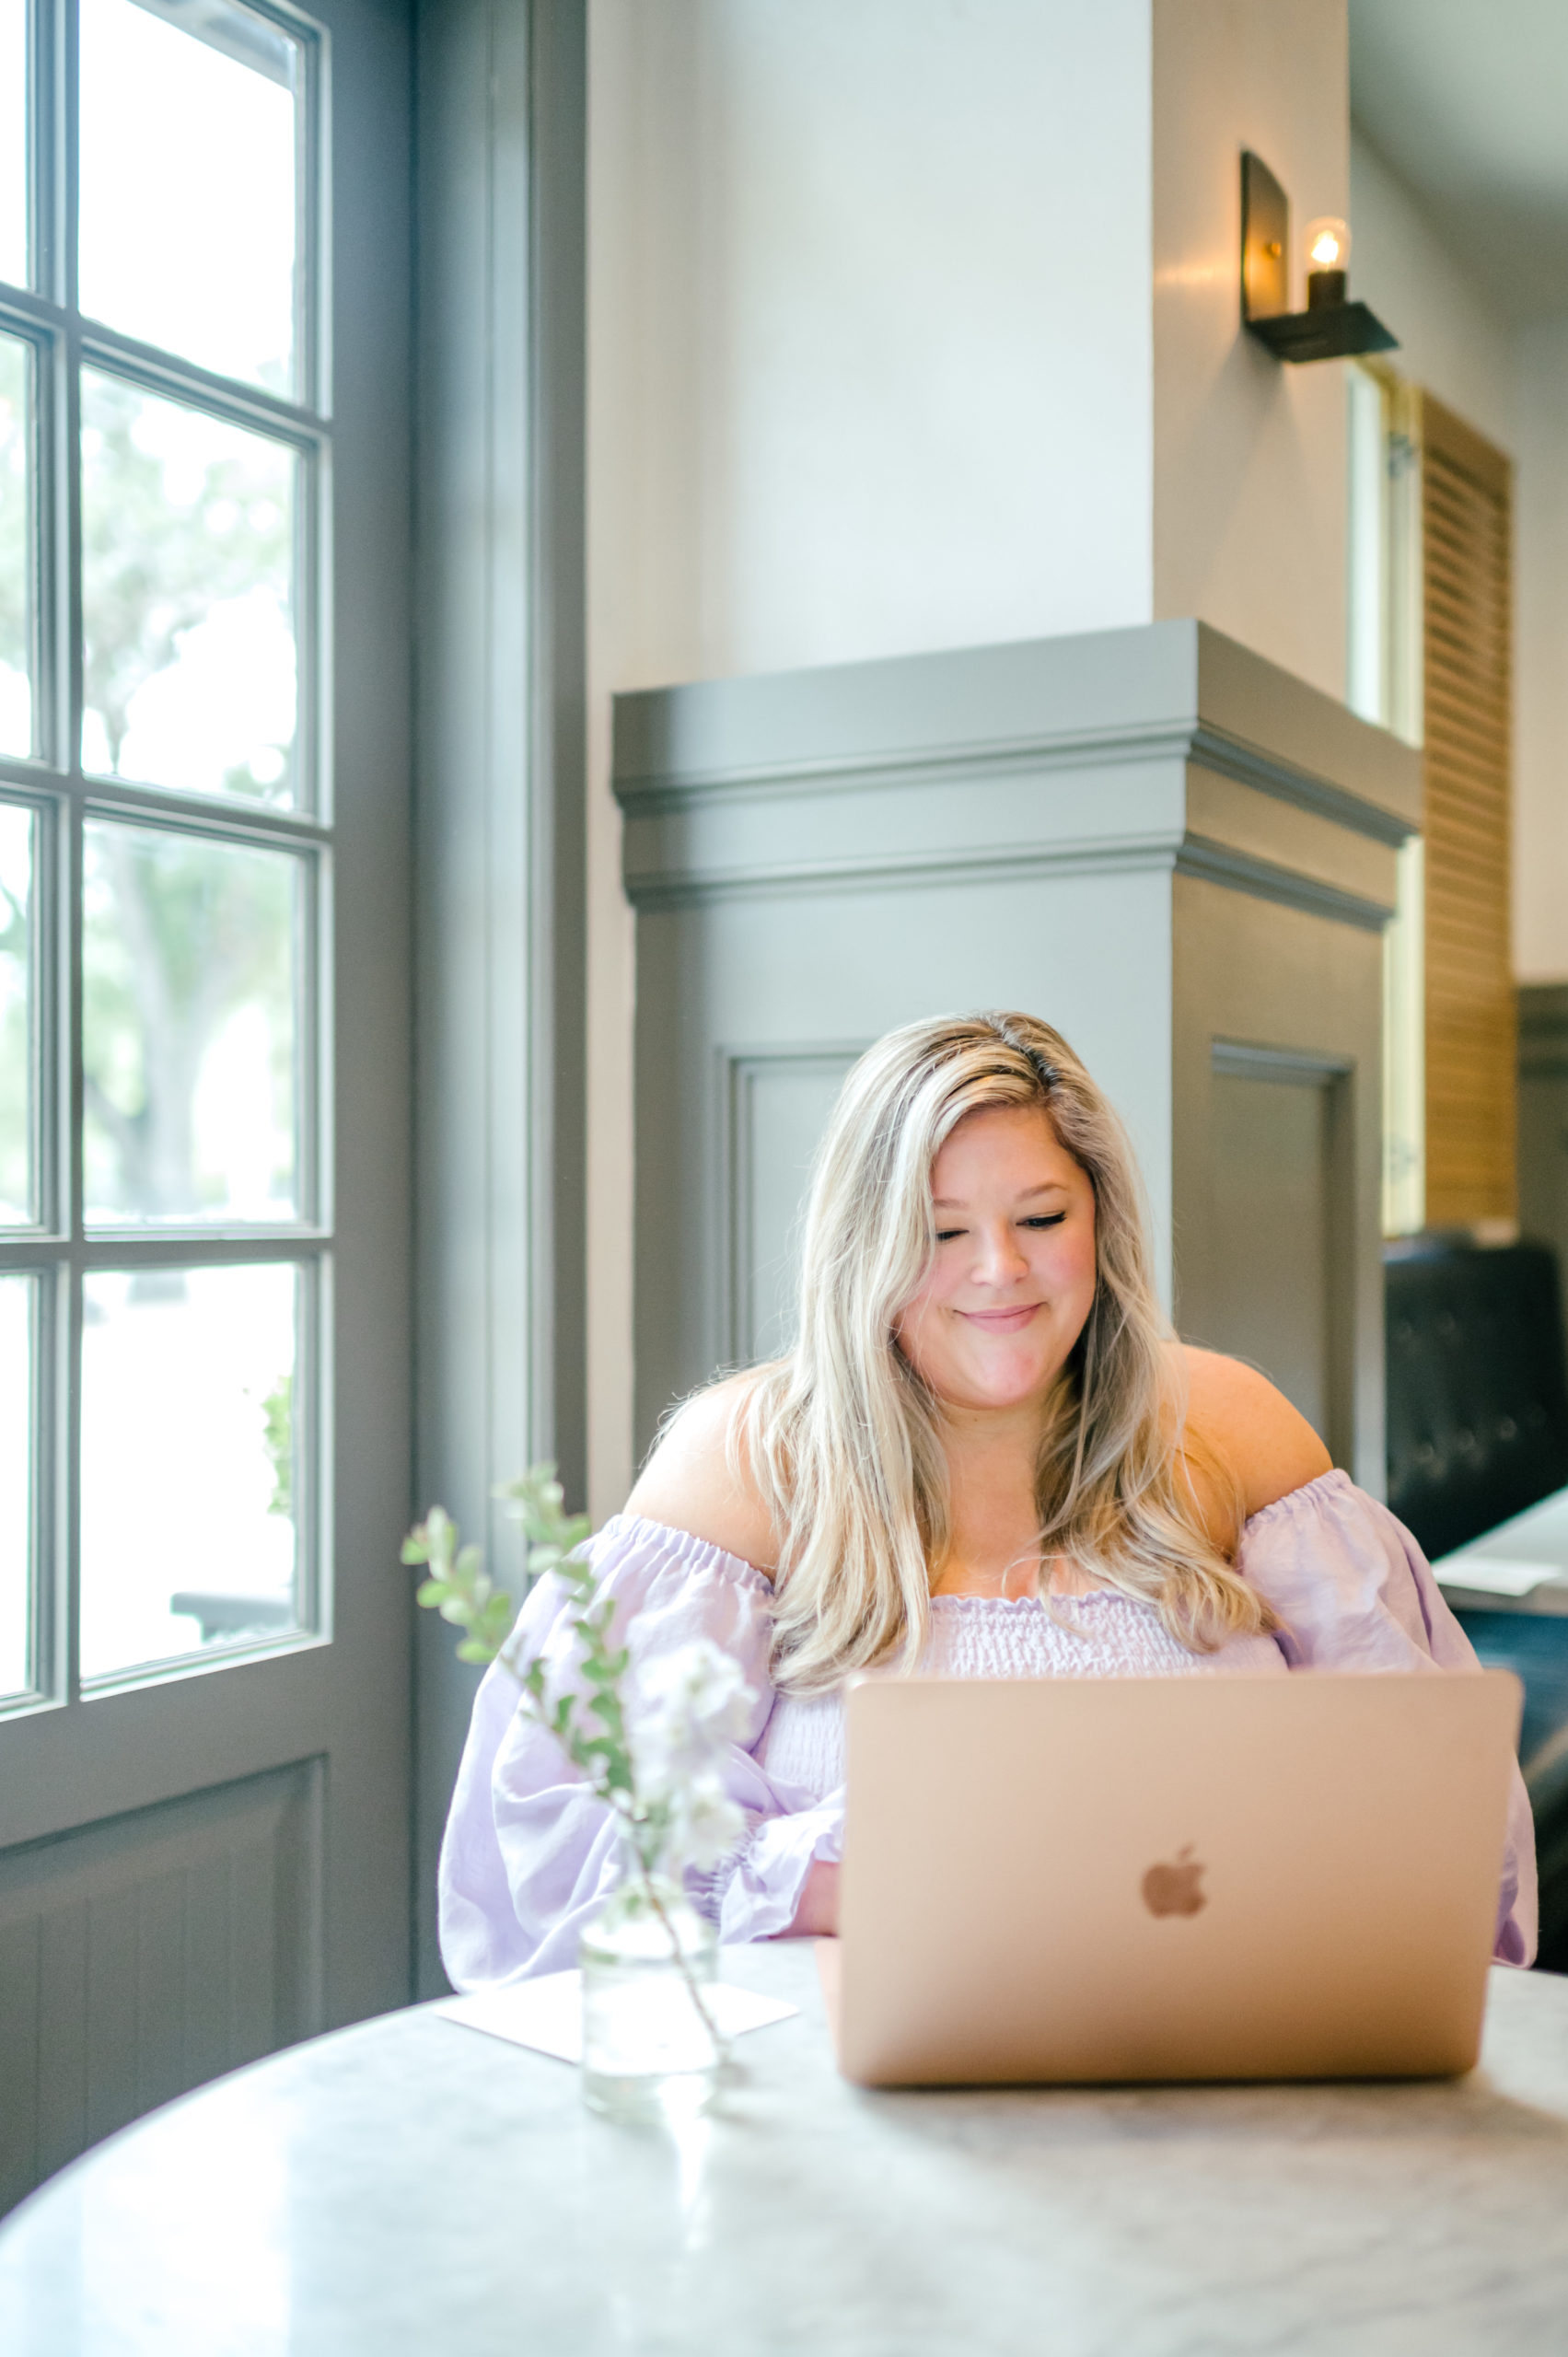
{"x": 501, "y": 106}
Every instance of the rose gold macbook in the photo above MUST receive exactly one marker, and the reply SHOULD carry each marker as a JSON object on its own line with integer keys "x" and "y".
{"x": 1168, "y": 1878}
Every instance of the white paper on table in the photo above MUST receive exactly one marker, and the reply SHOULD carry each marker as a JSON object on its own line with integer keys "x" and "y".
{"x": 1497, "y": 1575}
{"x": 547, "y": 2013}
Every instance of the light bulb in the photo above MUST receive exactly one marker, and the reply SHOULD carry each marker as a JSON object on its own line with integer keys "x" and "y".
{"x": 1328, "y": 252}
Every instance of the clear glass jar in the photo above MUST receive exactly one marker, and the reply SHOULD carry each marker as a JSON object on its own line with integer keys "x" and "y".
{"x": 649, "y": 2046}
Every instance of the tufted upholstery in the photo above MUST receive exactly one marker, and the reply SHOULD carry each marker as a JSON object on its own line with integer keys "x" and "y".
{"x": 1477, "y": 1384}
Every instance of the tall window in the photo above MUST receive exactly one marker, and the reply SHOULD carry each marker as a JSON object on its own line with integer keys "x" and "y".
{"x": 164, "y": 838}
{"x": 1383, "y": 683}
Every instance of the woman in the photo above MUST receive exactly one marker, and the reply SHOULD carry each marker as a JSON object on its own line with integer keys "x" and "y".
{"x": 987, "y": 1456}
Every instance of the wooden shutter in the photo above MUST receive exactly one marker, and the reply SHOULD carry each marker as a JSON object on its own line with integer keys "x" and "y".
{"x": 1471, "y": 1100}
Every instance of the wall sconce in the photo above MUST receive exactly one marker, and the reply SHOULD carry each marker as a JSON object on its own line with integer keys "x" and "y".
{"x": 1330, "y": 328}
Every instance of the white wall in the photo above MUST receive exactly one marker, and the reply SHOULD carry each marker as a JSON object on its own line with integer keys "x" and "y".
{"x": 885, "y": 376}
{"x": 1250, "y": 454}
{"x": 1451, "y": 341}
{"x": 1512, "y": 384}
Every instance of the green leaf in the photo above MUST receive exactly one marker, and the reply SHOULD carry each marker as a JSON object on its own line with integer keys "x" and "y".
{"x": 431, "y": 1592}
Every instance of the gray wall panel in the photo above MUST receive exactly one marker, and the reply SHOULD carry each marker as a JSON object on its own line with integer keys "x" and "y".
{"x": 148, "y": 1953}
{"x": 775, "y": 1103}
{"x": 1274, "y": 999}
{"x": 1282, "y": 1199}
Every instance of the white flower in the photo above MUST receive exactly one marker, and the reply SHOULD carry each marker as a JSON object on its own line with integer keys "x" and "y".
{"x": 704, "y": 1827}
{"x": 701, "y": 1686}
{"x": 687, "y": 1708}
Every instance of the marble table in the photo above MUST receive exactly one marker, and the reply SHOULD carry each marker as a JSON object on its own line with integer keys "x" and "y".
{"x": 409, "y": 2185}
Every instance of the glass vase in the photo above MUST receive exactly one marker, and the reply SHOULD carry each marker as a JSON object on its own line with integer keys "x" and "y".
{"x": 649, "y": 2046}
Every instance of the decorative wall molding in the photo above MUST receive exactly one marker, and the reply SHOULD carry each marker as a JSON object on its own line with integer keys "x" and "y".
{"x": 1211, "y": 749}
{"x": 1288, "y": 1225}
{"x": 1241, "y": 871}
{"x": 1107, "y": 855}
{"x": 742, "y": 1074}
{"x": 801, "y": 783}
{"x": 1248, "y": 1060}
{"x": 658, "y": 796}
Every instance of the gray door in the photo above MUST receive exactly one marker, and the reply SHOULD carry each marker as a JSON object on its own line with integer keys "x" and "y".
{"x": 204, "y": 1083}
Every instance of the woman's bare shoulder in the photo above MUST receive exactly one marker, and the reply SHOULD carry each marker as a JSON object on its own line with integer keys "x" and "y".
{"x": 690, "y": 1483}
{"x": 1251, "y": 1427}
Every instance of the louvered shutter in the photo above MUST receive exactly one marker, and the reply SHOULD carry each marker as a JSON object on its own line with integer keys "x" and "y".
{"x": 1471, "y": 1083}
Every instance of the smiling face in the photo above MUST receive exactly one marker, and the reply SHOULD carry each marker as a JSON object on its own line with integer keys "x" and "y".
{"x": 1013, "y": 1280}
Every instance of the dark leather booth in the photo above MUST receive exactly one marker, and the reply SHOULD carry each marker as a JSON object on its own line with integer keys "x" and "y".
{"x": 1477, "y": 1431}
{"x": 1478, "y": 1386}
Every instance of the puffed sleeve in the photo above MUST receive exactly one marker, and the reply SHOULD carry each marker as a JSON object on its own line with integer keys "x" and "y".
{"x": 1354, "y": 1592}
{"x": 528, "y": 1853}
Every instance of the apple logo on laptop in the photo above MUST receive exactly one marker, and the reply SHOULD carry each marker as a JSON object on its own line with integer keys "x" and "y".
{"x": 1173, "y": 1889}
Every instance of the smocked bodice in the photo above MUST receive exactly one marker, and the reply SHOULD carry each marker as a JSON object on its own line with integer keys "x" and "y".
{"x": 1103, "y": 1634}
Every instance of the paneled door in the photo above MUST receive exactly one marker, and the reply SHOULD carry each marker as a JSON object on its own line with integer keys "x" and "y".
{"x": 204, "y": 1044}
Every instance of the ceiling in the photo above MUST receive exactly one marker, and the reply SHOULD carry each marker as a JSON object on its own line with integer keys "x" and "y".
{"x": 1468, "y": 100}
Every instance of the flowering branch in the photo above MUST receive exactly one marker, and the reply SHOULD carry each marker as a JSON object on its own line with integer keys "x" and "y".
{"x": 656, "y": 1769}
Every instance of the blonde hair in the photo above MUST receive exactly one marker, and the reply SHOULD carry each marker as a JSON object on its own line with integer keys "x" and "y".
{"x": 844, "y": 1439}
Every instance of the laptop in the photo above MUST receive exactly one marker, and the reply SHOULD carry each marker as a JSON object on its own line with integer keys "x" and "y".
{"x": 1122, "y": 1879}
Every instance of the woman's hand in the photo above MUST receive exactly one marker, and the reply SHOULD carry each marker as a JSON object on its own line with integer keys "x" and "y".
{"x": 816, "y": 1917}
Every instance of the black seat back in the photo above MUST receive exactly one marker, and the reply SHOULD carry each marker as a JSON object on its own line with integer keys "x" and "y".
{"x": 1477, "y": 1384}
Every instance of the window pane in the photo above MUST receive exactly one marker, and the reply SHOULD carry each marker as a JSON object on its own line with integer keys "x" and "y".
{"x": 13, "y": 141}
{"x": 16, "y": 556}
{"x": 189, "y": 210}
{"x": 190, "y": 1496}
{"x": 187, "y": 597}
{"x": 19, "y": 1202}
{"x": 16, "y": 1483}
{"x": 190, "y": 959}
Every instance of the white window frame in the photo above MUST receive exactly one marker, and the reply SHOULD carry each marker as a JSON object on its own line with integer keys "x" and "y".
{"x": 1383, "y": 684}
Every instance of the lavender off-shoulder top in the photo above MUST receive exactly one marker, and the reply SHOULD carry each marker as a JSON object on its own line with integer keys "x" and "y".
{"x": 529, "y": 1854}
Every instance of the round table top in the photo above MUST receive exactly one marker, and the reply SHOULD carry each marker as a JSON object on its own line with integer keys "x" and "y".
{"x": 414, "y": 2186}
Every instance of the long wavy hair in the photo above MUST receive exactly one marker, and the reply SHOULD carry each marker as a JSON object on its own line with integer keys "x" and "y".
{"x": 843, "y": 1438}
